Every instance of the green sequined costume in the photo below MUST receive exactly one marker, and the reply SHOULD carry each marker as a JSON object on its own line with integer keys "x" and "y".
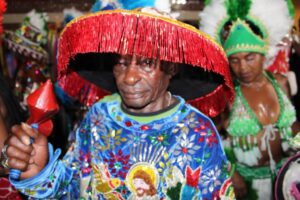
{"x": 243, "y": 125}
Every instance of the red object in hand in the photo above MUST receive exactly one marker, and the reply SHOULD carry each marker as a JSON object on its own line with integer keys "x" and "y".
{"x": 42, "y": 105}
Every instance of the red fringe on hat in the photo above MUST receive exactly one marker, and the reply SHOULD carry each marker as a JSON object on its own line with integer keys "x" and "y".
{"x": 213, "y": 103}
{"x": 128, "y": 32}
{"x": 2, "y": 11}
{"x": 81, "y": 89}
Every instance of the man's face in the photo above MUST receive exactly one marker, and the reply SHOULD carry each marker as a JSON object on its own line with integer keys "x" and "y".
{"x": 141, "y": 83}
{"x": 247, "y": 66}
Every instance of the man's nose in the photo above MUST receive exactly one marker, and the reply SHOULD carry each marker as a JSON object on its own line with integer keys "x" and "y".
{"x": 132, "y": 75}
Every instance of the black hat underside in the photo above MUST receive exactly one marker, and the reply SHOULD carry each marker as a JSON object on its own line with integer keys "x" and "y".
{"x": 190, "y": 82}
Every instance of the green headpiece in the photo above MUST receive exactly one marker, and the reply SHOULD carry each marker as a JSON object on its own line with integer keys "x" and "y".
{"x": 219, "y": 19}
{"x": 242, "y": 39}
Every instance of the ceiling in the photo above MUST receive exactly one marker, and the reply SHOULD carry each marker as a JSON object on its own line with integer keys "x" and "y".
{"x": 16, "y": 9}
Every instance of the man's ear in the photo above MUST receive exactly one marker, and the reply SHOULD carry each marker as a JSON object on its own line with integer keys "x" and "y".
{"x": 173, "y": 69}
{"x": 169, "y": 68}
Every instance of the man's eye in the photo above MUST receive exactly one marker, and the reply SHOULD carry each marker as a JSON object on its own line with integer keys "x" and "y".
{"x": 146, "y": 62}
{"x": 147, "y": 65}
{"x": 120, "y": 65}
{"x": 121, "y": 62}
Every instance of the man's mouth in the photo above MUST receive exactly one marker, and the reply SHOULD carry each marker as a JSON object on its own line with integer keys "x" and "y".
{"x": 133, "y": 94}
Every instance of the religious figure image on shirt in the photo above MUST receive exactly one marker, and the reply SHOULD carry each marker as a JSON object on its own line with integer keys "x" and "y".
{"x": 142, "y": 180}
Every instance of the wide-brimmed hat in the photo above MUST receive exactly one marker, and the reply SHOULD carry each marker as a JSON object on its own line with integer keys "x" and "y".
{"x": 287, "y": 185}
{"x": 204, "y": 77}
{"x": 30, "y": 38}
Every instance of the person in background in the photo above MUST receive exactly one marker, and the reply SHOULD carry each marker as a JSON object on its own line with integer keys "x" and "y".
{"x": 262, "y": 119}
{"x": 295, "y": 65}
{"x": 11, "y": 113}
{"x": 26, "y": 55}
{"x": 146, "y": 126}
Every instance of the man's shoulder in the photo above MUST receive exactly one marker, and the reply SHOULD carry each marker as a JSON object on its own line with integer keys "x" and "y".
{"x": 197, "y": 112}
{"x": 110, "y": 98}
{"x": 113, "y": 98}
{"x": 104, "y": 103}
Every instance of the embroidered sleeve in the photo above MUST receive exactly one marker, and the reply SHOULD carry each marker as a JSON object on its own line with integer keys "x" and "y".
{"x": 214, "y": 179}
{"x": 49, "y": 181}
{"x": 60, "y": 179}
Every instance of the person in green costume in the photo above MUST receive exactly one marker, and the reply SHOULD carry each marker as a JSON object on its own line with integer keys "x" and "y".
{"x": 262, "y": 119}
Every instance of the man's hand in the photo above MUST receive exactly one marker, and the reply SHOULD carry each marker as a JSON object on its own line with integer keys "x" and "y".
{"x": 29, "y": 158}
{"x": 239, "y": 185}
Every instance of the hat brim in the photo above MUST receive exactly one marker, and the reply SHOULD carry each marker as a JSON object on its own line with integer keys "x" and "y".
{"x": 20, "y": 46}
{"x": 133, "y": 32}
{"x": 280, "y": 179}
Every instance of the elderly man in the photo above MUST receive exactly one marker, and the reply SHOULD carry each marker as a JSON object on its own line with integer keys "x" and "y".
{"x": 141, "y": 129}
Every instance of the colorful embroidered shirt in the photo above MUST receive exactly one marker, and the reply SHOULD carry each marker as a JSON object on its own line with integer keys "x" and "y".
{"x": 176, "y": 154}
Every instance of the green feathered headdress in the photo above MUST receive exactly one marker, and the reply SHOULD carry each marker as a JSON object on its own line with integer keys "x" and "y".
{"x": 272, "y": 20}
{"x": 237, "y": 8}
{"x": 291, "y": 8}
{"x": 242, "y": 39}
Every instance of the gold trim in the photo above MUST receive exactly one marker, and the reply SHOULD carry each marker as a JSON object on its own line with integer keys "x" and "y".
{"x": 246, "y": 25}
{"x": 247, "y": 47}
{"x": 244, "y": 46}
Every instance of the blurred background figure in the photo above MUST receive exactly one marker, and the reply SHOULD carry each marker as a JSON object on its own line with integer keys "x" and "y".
{"x": 26, "y": 53}
{"x": 10, "y": 113}
{"x": 262, "y": 119}
{"x": 295, "y": 64}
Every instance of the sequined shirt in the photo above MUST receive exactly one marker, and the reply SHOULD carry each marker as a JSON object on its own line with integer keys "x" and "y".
{"x": 178, "y": 156}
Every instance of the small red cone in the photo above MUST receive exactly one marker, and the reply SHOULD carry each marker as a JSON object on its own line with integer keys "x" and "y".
{"x": 42, "y": 105}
